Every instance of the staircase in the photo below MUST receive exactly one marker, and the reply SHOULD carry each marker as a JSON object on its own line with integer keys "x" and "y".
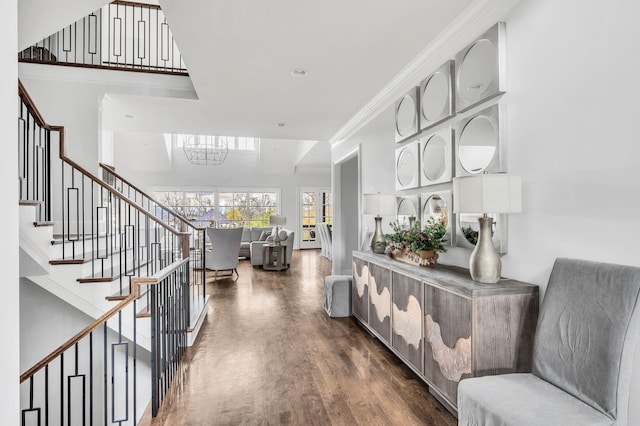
{"x": 89, "y": 244}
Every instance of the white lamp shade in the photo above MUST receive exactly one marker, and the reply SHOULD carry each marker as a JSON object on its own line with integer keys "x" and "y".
{"x": 276, "y": 220}
{"x": 487, "y": 193}
{"x": 379, "y": 204}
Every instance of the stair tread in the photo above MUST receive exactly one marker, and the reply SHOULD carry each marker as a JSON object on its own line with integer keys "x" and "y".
{"x": 43, "y": 223}
{"x": 29, "y": 202}
{"x": 109, "y": 274}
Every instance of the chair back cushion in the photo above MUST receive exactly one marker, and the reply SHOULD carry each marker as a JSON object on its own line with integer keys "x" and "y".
{"x": 225, "y": 248}
{"x": 587, "y": 317}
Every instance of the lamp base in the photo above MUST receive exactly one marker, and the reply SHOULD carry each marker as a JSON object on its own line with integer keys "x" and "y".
{"x": 378, "y": 242}
{"x": 485, "y": 264}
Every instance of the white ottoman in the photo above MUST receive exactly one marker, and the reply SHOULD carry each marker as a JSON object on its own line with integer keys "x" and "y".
{"x": 337, "y": 295}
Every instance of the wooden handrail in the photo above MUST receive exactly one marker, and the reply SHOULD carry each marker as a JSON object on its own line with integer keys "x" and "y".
{"x": 133, "y": 3}
{"x": 137, "y": 282}
{"x": 31, "y": 107}
{"x": 177, "y": 215}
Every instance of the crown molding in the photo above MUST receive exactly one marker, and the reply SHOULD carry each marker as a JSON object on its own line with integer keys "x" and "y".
{"x": 474, "y": 20}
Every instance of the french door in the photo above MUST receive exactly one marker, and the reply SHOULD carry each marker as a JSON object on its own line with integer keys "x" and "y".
{"x": 316, "y": 206}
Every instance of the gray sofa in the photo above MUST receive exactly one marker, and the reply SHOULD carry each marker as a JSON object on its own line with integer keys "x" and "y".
{"x": 248, "y": 236}
{"x": 582, "y": 355}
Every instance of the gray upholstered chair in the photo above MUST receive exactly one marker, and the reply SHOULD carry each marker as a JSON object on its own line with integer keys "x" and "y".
{"x": 225, "y": 246}
{"x": 325, "y": 240}
{"x": 582, "y": 356}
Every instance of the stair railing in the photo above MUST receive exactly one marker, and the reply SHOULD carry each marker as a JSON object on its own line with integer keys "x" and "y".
{"x": 122, "y": 35}
{"x": 92, "y": 221}
{"x": 96, "y": 376}
{"x": 197, "y": 235}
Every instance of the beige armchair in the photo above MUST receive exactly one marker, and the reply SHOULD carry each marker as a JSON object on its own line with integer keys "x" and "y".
{"x": 256, "y": 248}
{"x": 225, "y": 245}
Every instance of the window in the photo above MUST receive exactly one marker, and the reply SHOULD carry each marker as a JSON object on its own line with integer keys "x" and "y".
{"x": 247, "y": 208}
{"x": 234, "y": 143}
{"x": 232, "y": 209}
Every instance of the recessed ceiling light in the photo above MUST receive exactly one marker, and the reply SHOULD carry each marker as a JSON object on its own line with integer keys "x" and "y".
{"x": 298, "y": 72}
{"x": 129, "y": 116}
{"x": 281, "y": 124}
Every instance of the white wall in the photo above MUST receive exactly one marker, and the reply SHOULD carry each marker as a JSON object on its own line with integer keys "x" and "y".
{"x": 571, "y": 111}
{"x": 9, "y": 302}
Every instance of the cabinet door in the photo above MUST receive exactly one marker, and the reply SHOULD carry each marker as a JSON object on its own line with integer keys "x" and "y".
{"x": 447, "y": 340}
{"x": 406, "y": 324}
{"x": 360, "y": 290}
{"x": 380, "y": 301}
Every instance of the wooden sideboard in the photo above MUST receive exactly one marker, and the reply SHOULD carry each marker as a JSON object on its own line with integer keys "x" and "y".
{"x": 442, "y": 324}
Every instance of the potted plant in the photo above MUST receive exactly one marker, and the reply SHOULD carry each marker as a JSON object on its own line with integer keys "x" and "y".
{"x": 416, "y": 244}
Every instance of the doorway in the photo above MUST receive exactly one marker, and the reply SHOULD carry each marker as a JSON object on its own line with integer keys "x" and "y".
{"x": 316, "y": 206}
{"x": 346, "y": 220}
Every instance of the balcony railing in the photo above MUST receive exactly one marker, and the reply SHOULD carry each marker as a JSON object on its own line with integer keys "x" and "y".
{"x": 122, "y": 35}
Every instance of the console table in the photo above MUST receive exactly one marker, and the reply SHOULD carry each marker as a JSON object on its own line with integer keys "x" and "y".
{"x": 443, "y": 325}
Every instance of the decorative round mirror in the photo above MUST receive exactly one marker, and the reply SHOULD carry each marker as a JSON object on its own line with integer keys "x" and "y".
{"x": 478, "y": 72}
{"x": 406, "y": 116}
{"x": 436, "y": 207}
{"x": 435, "y": 97}
{"x": 406, "y": 167}
{"x": 434, "y": 158}
{"x": 478, "y": 144}
{"x": 406, "y": 209}
{"x": 469, "y": 227}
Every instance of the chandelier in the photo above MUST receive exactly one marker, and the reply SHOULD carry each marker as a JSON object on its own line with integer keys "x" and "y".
{"x": 205, "y": 150}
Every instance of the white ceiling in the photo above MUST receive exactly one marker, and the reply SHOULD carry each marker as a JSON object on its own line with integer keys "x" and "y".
{"x": 240, "y": 53}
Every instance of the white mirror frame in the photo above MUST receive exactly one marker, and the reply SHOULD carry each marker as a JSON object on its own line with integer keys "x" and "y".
{"x": 413, "y": 201}
{"x": 412, "y": 148}
{"x": 448, "y": 111}
{"x": 497, "y": 86}
{"x": 414, "y": 95}
{"x": 499, "y": 235}
{"x": 448, "y": 199}
{"x": 447, "y": 134}
{"x": 498, "y": 162}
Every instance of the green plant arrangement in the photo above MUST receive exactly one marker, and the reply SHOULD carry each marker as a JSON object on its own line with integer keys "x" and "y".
{"x": 416, "y": 244}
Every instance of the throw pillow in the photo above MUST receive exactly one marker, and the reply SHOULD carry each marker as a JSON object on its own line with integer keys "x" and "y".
{"x": 264, "y": 235}
{"x": 283, "y": 235}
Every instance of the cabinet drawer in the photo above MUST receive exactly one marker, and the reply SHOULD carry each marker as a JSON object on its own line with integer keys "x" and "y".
{"x": 360, "y": 290}
{"x": 380, "y": 301}
{"x": 447, "y": 340}
{"x": 407, "y": 314}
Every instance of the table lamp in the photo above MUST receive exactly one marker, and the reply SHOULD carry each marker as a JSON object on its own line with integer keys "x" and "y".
{"x": 482, "y": 194}
{"x": 378, "y": 205}
{"x": 277, "y": 221}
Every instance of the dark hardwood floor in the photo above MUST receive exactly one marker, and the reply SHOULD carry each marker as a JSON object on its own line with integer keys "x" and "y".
{"x": 269, "y": 355}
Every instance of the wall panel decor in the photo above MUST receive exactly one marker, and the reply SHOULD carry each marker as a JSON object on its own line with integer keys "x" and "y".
{"x": 479, "y": 145}
{"x": 408, "y": 166}
{"x": 408, "y": 207}
{"x": 479, "y": 69}
{"x": 436, "y": 96}
{"x": 439, "y": 206}
{"x": 436, "y": 157}
{"x": 406, "y": 115}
